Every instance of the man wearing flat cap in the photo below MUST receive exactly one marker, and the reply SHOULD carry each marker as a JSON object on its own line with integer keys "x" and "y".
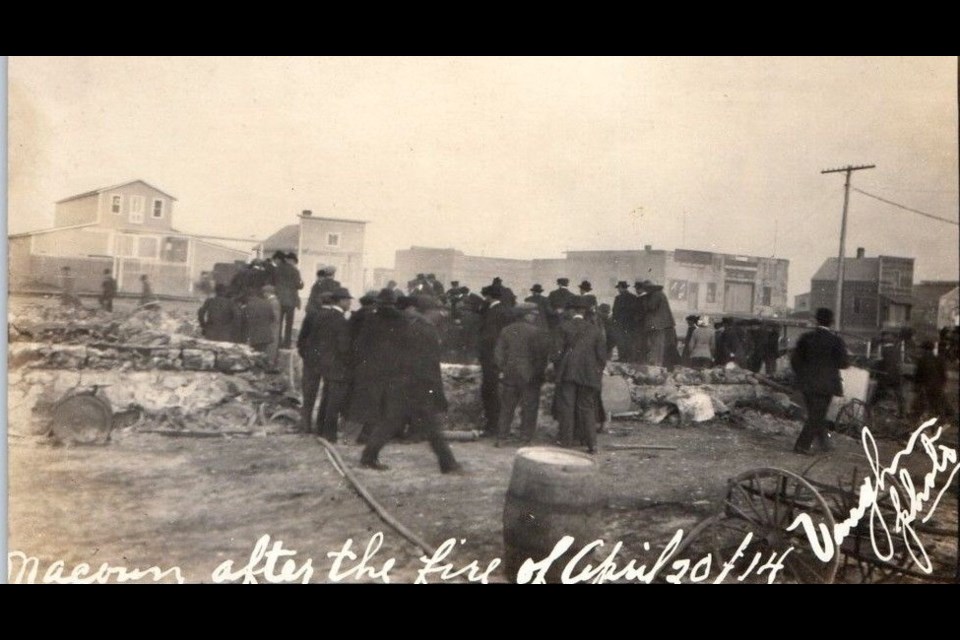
{"x": 325, "y": 284}
{"x": 558, "y": 300}
{"x": 579, "y": 356}
{"x": 522, "y": 354}
{"x": 324, "y": 345}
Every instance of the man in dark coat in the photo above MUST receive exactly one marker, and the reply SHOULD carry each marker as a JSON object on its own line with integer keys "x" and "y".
{"x": 412, "y": 389}
{"x": 729, "y": 343}
{"x": 218, "y": 316}
{"x": 522, "y": 354}
{"x": 691, "y": 327}
{"x": 625, "y": 322}
{"x": 497, "y": 317}
{"x": 147, "y": 297}
{"x": 507, "y": 296}
{"x": 557, "y": 300}
{"x": 469, "y": 323}
{"x": 108, "y": 291}
{"x": 579, "y": 355}
{"x": 260, "y": 322}
{"x": 659, "y": 327}
{"x": 288, "y": 286}
{"x": 817, "y": 359}
{"x": 890, "y": 378}
{"x": 453, "y": 297}
{"x": 434, "y": 287}
{"x": 929, "y": 380}
{"x": 324, "y": 345}
{"x": 325, "y": 284}
{"x": 543, "y": 305}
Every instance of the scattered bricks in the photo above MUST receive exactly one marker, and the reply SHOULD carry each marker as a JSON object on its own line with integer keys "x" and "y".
{"x": 198, "y": 359}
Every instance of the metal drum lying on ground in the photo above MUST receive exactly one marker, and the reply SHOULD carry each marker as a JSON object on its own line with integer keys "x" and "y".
{"x": 553, "y": 493}
{"x": 82, "y": 419}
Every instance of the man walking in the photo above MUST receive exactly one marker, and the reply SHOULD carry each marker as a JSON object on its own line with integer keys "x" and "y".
{"x": 324, "y": 346}
{"x": 411, "y": 390}
{"x": 816, "y": 361}
{"x": 579, "y": 357}
{"x": 522, "y": 354}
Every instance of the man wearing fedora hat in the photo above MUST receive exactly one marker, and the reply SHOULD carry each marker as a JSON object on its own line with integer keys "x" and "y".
{"x": 557, "y": 300}
{"x": 626, "y": 324}
{"x": 817, "y": 359}
{"x": 579, "y": 356}
{"x": 497, "y": 316}
{"x": 324, "y": 346}
{"x": 288, "y": 283}
{"x": 658, "y": 326}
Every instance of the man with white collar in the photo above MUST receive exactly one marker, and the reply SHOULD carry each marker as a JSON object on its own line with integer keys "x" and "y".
{"x": 580, "y": 354}
{"x": 325, "y": 346}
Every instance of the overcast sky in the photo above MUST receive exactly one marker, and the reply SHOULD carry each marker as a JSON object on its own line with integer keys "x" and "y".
{"x": 509, "y": 157}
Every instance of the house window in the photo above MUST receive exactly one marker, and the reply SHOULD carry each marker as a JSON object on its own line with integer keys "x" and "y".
{"x": 136, "y": 209}
{"x": 765, "y": 296}
{"x": 678, "y": 289}
{"x": 333, "y": 239}
{"x": 711, "y": 292}
{"x": 116, "y": 201}
{"x": 157, "y": 208}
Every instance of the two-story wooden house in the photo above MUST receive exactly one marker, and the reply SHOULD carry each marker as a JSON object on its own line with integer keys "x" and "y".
{"x": 126, "y": 228}
{"x": 323, "y": 242}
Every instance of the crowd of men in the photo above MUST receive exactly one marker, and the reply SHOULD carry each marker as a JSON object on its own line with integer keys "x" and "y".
{"x": 257, "y": 306}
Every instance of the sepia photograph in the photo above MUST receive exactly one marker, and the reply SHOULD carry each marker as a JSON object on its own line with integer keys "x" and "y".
{"x": 427, "y": 320}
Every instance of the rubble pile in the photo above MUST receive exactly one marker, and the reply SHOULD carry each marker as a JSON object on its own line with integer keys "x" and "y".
{"x": 151, "y": 363}
{"x": 148, "y": 339}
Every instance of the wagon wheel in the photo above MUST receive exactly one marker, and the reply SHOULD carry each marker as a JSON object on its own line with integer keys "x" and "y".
{"x": 853, "y": 417}
{"x": 763, "y": 503}
{"x": 860, "y": 561}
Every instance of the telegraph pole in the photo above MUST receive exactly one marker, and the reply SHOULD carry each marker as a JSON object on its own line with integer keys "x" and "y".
{"x": 838, "y": 310}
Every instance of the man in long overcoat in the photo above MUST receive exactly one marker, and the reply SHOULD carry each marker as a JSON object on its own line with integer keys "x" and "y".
{"x": 626, "y": 323}
{"x": 324, "y": 345}
{"x": 412, "y": 390}
{"x": 579, "y": 355}
{"x": 557, "y": 301}
{"x": 659, "y": 327}
{"x": 497, "y": 316}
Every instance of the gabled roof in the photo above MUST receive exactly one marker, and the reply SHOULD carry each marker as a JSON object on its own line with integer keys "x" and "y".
{"x": 285, "y": 238}
{"x": 111, "y": 188}
{"x": 854, "y": 269}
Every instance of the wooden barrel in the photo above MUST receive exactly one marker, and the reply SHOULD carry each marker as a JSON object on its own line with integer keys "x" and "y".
{"x": 553, "y": 493}
{"x": 82, "y": 419}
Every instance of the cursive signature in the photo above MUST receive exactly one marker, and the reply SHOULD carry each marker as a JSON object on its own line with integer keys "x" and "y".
{"x": 29, "y": 568}
{"x": 906, "y": 502}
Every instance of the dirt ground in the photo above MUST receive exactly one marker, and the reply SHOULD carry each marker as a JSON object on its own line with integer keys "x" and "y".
{"x": 147, "y": 500}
